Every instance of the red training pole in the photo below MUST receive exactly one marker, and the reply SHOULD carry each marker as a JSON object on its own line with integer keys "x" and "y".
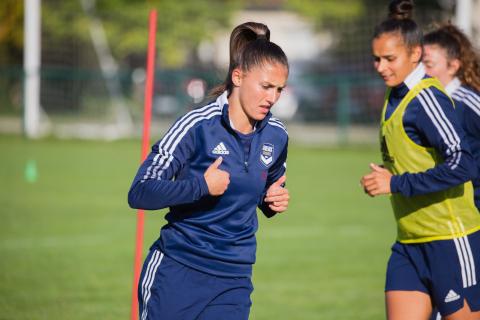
{"x": 145, "y": 146}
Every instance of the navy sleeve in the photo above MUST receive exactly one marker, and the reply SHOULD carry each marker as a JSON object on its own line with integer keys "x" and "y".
{"x": 468, "y": 109}
{"x": 274, "y": 173}
{"x": 155, "y": 187}
{"x": 437, "y": 124}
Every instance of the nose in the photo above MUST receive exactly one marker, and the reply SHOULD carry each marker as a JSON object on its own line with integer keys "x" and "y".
{"x": 273, "y": 96}
{"x": 380, "y": 66}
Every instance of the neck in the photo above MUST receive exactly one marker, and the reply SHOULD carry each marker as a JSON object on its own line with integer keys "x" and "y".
{"x": 240, "y": 120}
{"x": 446, "y": 80}
{"x": 415, "y": 75}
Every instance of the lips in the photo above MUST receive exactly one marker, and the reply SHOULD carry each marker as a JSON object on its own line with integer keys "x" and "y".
{"x": 385, "y": 77}
{"x": 265, "y": 109}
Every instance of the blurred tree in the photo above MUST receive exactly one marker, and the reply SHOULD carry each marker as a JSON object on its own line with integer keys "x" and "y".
{"x": 11, "y": 44}
{"x": 328, "y": 11}
{"x": 181, "y": 24}
{"x": 351, "y": 23}
{"x": 321, "y": 12}
{"x": 11, "y": 32}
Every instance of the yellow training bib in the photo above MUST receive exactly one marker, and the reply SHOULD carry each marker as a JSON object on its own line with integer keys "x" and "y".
{"x": 435, "y": 216}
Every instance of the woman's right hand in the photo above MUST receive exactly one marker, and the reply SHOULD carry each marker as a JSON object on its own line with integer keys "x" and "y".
{"x": 217, "y": 180}
{"x": 377, "y": 182}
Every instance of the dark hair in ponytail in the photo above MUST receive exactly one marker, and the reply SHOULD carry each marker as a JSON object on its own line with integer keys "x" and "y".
{"x": 400, "y": 21}
{"x": 250, "y": 46}
{"x": 457, "y": 46}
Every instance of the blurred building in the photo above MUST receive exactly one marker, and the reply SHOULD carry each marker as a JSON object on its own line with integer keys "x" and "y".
{"x": 292, "y": 32}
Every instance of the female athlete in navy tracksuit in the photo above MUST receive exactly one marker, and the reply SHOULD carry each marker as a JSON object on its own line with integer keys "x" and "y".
{"x": 427, "y": 168}
{"x": 450, "y": 57}
{"x": 213, "y": 168}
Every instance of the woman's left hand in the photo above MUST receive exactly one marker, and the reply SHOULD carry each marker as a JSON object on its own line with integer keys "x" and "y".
{"x": 376, "y": 182}
{"x": 277, "y": 196}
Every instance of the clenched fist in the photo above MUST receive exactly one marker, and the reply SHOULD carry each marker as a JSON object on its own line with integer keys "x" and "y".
{"x": 217, "y": 180}
{"x": 377, "y": 182}
{"x": 277, "y": 196}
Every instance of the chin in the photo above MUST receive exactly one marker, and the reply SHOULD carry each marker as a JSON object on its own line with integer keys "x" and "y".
{"x": 392, "y": 84}
{"x": 260, "y": 117}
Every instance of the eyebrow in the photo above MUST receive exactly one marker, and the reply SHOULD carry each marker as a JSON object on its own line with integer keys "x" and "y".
{"x": 385, "y": 56}
{"x": 273, "y": 85}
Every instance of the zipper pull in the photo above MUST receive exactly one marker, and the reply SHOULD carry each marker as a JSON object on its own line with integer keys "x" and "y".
{"x": 246, "y": 165}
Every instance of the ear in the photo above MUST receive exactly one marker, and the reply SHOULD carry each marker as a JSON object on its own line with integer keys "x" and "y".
{"x": 237, "y": 75}
{"x": 453, "y": 67}
{"x": 416, "y": 54}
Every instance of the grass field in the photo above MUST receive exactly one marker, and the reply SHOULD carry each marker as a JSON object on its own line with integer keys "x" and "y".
{"x": 67, "y": 240}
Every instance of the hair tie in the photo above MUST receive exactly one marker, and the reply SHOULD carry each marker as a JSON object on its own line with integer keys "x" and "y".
{"x": 262, "y": 36}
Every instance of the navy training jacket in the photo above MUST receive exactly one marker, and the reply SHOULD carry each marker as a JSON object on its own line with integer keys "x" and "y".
{"x": 467, "y": 102}
{"x": 215, "y": 235}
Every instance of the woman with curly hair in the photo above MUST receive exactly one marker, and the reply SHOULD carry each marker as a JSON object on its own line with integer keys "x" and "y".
{"x": 450, "y": 57}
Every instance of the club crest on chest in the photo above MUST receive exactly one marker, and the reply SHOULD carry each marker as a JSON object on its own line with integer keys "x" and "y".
{"x": 266, "y": 156}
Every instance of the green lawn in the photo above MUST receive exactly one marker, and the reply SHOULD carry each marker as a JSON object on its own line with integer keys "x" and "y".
{"x": 67, "y": 240}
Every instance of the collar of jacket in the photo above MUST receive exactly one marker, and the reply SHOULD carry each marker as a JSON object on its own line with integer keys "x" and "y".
{"x": 411, "y": 81}
{"x": 222, "y": 101}
{"x": 453, "y": 86}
